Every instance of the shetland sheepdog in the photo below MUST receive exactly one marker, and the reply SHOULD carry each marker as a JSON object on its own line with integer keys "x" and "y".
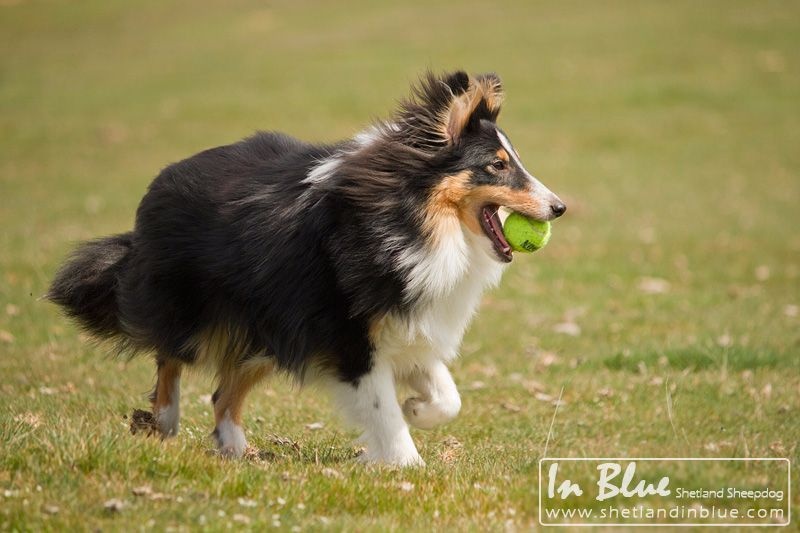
{"x": 356, "y": 265}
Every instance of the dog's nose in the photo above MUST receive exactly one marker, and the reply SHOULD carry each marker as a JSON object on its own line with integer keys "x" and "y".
{"x": 558, "y": 208}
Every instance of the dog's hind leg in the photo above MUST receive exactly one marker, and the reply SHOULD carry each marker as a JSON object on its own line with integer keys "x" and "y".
{"x": 438, "y": 401}
{"x": 166, "y": 398}
{"x": 235, "y": 382}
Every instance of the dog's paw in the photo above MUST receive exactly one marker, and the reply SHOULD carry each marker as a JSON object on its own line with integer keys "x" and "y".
{"x": 167, "y": 422}
{"x": 230, "y": 440}
{"x": 231, "y": 451}
{"x": 392, "y": 450}
{"x": 424, "y": 414}
{"x": 400, "y": 461}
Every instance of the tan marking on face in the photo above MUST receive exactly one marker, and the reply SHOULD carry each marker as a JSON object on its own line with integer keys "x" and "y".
{"x": 522, "y": 201}
{"x": 502, "y": 154}
{"x": 168, "y": 374}
{"x": 455, "y": 200}
{"x": 442, "y": 212}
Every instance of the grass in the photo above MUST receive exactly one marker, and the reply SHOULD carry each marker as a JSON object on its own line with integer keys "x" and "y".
{"x": 670, "y": 129}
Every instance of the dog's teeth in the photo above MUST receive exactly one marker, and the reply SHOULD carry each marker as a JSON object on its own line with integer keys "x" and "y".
{"x": 502, "y": 213}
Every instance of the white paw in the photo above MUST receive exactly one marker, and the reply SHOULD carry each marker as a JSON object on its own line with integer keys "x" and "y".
{"x": 233, "y": 451}
{"x": 399, "y": 451}
{"x": 379, "y": 459}
{"x": 423, "y": 414}
{"x": 168, "y": 421}
{"x": 230, "y": 439}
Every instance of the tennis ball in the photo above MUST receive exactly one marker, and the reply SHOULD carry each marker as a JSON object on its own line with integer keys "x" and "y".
{"x": 525, "y": 234}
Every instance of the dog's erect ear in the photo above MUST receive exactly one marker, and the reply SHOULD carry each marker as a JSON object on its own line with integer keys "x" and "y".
{"x": 492, "y": 89}
{"x": 456, "y": 116}
{"x": 481, "y": 101}
{"x": 443, "y": 108}
{"x": 458, "y": 81}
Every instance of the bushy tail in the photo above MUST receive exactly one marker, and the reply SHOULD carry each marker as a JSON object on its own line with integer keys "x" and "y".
{"x": 85, "y": 286}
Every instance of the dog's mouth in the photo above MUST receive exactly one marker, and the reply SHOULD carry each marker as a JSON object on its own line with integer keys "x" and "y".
{"x": 493, "y": 228}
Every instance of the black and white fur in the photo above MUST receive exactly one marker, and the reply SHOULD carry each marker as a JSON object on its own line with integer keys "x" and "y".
{"x": 357, "y": 265}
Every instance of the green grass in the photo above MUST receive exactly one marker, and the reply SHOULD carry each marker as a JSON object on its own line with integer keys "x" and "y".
{"x": 670, "y": 129}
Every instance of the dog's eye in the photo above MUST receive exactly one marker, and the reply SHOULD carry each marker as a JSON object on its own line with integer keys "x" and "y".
{"x": 499, "y": 164}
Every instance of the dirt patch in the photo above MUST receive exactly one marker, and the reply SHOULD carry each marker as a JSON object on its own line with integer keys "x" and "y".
{"x": 143, "y": 422}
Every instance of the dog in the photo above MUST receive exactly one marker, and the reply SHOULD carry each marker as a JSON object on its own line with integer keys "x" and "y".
{"x": 356, "y": 265}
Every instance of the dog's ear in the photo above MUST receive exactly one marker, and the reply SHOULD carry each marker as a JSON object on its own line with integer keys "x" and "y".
{"x": 443, "y": 108}
{"x": 492, "y": 89}
{"x": 456, "y": 116}
{"x": 481, "y": 101}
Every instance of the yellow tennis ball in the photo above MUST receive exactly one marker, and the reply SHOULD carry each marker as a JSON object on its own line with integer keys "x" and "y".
{"x": 525, "y": 234}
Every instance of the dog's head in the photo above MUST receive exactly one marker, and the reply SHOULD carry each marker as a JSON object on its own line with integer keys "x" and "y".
{"x": 453, "y": 118}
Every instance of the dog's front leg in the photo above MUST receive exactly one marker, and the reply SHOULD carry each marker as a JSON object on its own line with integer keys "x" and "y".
{"x": 438, "y": 401}
{"x": 371, "y": 403}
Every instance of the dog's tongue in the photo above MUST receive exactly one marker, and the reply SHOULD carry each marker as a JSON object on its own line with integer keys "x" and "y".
{"x": 497, "y": 226}
{"x": 490, "y": 215}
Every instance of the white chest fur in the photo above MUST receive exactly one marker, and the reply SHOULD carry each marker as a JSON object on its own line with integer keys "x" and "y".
{"x": 448, "y": 281}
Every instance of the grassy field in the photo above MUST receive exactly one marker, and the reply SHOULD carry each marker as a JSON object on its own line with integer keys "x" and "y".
{"x": 665, "y": 307}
